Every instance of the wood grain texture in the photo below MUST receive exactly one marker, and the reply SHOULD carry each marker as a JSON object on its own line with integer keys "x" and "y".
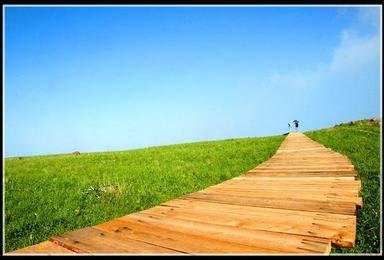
{"x": 46, "y": 247}
{"x": 300, "y": 201}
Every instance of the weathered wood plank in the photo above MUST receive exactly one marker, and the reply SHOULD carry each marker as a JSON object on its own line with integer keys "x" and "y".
{"x": 331, "y": 206}
{"x": 297, "y": 224}
{"x": 255, "y": 239}
{"x": 45, "y": 248}
{"x": 331, "y": 179}
{"x": 253, "y": 210}
{"x": 164, "y": 234}
{"x": 302, "y": 174}
{"x": 94, "y": 241}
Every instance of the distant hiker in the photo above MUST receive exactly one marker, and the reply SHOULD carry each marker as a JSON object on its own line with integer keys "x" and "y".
{"x": 296, "y": 122}
{"x": 289, "y": 127}
{"x": 76, "y": 153}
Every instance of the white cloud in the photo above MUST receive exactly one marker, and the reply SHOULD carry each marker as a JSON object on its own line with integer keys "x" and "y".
{"x": 355, "y": 52}
{"x": 359, "y": 45}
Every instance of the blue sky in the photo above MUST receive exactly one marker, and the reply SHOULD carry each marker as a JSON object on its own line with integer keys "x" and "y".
{"x": 117, "y": 78}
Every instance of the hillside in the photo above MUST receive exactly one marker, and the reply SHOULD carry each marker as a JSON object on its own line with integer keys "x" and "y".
{"x": 360, "y": 142}
{"x": 48, "y": 195}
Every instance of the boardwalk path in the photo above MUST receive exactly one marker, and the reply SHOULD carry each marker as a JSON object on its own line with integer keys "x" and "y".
{"x": 301, "y": 200}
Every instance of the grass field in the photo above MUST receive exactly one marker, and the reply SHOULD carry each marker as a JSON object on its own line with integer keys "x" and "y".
{"x": 48, "y": 195}
{"x": 360, "y": 141}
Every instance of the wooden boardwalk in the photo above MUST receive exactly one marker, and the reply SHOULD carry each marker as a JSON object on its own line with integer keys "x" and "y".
{"x": 300, "y": 201}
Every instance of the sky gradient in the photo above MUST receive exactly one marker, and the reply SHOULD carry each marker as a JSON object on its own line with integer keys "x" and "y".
{"x": 116, "y": 78}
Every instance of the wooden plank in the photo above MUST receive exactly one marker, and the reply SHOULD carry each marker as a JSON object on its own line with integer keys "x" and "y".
{"x": 333, "y": 179}
{"x": 308, "y": 156}
{"x": 290, "y": 188}
{"x": 336, "y": 161}
{"x": 302, "y": 174}
{"x": 300, "y": 193}
{"x": 245, "y": 187}
{"x": 331, "y": 171}
{"x": 255, "y": 211}
{"x": 91, "y": 240}
{"x": 280, "y": 186}
{"x": 303, "y": 149}
{"x": 302, "y": 165}
{"x": 305, "y": 156}
{"x": 307, "y": 167}
{"x": 290, "y": 195}
{"x": 45, "y": 248}
{"x": 291, "y": 181}
{"x": 284, "y": 243}
{"x": 296, "y": 224}
{"x": 348, "y": 208}
{"x": 281, "y": 190}
{"x": 161, "y": 233}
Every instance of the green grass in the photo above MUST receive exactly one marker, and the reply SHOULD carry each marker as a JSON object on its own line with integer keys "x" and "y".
{"x": 360, "y": 142}
{"x": 48, "y": 195}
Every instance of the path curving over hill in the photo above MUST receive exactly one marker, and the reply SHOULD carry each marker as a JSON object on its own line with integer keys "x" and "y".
{"x": 300, "y": 201}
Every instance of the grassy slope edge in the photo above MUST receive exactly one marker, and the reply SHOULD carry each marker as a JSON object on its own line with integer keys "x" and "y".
{"x": 360, "y": 142}
{"x": 48, "y": 195}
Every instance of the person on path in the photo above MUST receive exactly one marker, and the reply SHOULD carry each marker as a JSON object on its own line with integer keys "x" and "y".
{"x": 289, "y": 127}
{"x": 296, "y": 122}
